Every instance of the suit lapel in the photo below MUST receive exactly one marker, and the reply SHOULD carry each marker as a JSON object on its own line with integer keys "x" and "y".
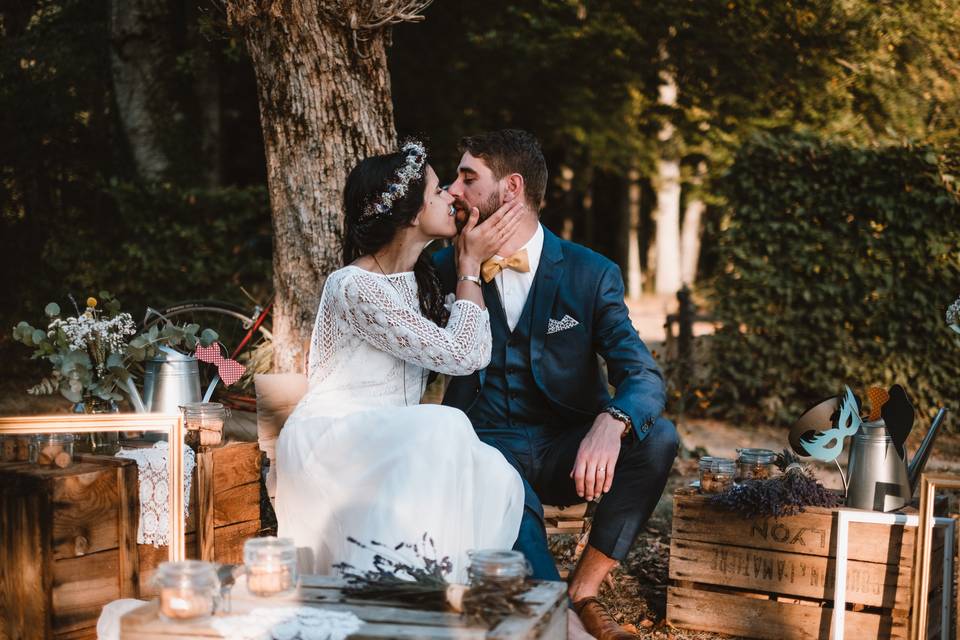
{"x": 549, "y": 274}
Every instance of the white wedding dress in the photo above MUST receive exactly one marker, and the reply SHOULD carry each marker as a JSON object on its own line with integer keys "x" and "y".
{"x": 360, "y": 458}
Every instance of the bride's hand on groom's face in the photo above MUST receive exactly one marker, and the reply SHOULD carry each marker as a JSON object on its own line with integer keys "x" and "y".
{"x": 477, "y": 242}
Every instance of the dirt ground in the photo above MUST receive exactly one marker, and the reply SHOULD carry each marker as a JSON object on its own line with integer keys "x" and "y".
{"x": 638, "y": 595}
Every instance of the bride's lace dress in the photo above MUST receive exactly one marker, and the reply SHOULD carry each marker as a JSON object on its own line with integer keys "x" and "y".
{"x": 360, "y": 458}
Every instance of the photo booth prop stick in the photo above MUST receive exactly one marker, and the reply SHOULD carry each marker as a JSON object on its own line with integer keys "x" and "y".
{"x": 228, "y": 370}
{"x": 171, "y": 425}
{"x": 826, "y": 445}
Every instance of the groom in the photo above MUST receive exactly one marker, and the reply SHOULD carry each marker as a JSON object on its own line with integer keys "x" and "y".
{"x": 543, "y": 401}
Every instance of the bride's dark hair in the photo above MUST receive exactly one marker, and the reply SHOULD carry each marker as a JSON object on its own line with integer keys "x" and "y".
{"x": 365, "y": 234}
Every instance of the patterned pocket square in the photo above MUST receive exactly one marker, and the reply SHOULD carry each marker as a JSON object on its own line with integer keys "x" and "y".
{"x": 556, "y": 326}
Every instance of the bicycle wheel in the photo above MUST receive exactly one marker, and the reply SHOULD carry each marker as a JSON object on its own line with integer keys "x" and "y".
{"x": 245, "y": 334}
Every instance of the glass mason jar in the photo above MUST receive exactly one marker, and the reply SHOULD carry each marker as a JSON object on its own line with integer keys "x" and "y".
{"x": 204, "y": 423}
{"x": 755, "y": 464}
{"x": 15, "y": 448}
{"x": 498, "y": 567}
{"x": 53, "y": 450}
{"x": 189, "y": 590}
{"x": 271, "y": 566}
{"x": 716, "y": 474}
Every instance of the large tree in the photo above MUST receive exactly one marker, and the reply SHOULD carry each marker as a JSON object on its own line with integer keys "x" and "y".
{"x": 324, "y": 94}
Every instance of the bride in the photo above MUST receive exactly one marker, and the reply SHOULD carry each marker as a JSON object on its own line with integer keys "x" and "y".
{"x": 359, "y": 457}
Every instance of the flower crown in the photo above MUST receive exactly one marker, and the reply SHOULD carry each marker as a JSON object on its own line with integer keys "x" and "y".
{"x": 412, "y": 168}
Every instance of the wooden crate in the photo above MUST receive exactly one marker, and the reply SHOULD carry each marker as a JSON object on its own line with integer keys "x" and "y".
{"x": 767, "y": 578}
{"x": 68, "y": 537}
{"x": 381, "y": 619}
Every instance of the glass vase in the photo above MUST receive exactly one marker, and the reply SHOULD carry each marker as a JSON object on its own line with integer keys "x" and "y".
{"x": 101, "y": 444}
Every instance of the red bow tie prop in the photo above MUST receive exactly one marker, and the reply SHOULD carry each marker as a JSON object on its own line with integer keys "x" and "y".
{"x": 229, "y": 370}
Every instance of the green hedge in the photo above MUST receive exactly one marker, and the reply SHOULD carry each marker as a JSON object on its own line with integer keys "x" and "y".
{"x": 835, "y": 266}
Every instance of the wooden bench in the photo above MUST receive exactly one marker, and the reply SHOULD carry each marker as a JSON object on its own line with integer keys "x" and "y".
{"x": 380, "y": 619}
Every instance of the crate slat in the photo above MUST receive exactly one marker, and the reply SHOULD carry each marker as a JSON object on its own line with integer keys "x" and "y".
{"x": 868, "y": 583}
{"x": 754, "y": 618}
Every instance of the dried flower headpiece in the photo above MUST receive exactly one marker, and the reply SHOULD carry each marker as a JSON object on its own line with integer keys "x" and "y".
{"x": 411, "y": 169}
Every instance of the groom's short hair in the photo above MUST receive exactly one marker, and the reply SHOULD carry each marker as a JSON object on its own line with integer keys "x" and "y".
{"x": 512, "y": 151}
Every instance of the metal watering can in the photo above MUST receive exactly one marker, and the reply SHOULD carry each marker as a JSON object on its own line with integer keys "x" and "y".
{"x": 171, "y": 380}
{"x": 879, "y": 477}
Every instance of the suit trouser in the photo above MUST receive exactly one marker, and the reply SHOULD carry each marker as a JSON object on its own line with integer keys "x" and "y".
{"x": 544, "y": 456}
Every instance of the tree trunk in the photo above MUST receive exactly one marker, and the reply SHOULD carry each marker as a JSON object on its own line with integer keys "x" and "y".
{"x": 634, "y": 271}
{"x": 691, "y": 228}
{"x": 667, "y": 185}
{"x": 690, "y": 239}
{"x": 142, "y": 50}
{"x": 323, "y": 106}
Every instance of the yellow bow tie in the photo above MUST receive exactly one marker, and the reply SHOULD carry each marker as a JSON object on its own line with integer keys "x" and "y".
{"x": 518, "y": 262}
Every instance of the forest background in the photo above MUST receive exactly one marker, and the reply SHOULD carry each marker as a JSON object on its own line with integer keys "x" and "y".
{"x": 793, "y": 162}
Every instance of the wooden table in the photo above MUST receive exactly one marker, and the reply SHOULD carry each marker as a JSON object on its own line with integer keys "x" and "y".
{"x": 380, "y": 619}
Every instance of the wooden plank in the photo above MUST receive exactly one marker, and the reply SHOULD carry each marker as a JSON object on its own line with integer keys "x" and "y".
{"x": 548, "y": 600}
{"x": 151, "y": 557}
{"x": 228, "y": 541}
{"x": 128, "y": 519}
{"x": 235, "y": 464}
{"x": 380, "y": 621}
{"x": 85, "y": 633}
{"x": 25, "y": 606}
{"x": 205, "y": 505}
{"x": 85, "y": 509}
{"x": 794, "y": 574}
{"x": 237, "y": 504}
{"x": 81, "y": 586}
{"x": 573, "y": 512}
{"x": 770, "y": 620}
{"x": 810, "y": 532}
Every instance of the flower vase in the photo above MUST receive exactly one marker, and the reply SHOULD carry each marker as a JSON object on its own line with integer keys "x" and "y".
{"x": 104, "y": 443}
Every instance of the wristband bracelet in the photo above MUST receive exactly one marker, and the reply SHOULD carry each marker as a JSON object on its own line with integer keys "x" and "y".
{"x": 617, "y": 414}
{"x": 474, "y": 279}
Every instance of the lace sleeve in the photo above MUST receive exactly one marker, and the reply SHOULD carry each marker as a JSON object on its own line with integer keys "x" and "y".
{"x": 379, "y": 316}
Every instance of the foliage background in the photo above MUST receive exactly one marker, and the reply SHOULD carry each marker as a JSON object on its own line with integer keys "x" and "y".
{"x": 838, "y": 265}
{"x": 873, "y": 89}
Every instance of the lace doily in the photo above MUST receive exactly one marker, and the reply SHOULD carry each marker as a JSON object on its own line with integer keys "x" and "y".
{"x": 152, "y": 463}
{"x": 288, "y": 623}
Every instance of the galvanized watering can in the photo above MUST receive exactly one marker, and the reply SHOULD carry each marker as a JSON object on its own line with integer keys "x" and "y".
{"x": 879, "y": 478}
{"x": 170, "y": 381}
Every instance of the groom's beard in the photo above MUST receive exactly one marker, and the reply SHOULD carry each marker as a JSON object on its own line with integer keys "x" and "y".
{"x": 487, "y": 208}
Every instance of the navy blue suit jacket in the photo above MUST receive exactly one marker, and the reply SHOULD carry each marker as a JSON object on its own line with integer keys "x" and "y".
{"x": 573, "y": 280}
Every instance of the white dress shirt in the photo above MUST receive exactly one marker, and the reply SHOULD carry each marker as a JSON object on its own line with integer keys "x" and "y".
{"x": 515, "y": 286}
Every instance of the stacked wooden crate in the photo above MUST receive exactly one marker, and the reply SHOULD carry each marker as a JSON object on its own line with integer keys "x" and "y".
{"x": 773, "y": 578}
{"x": 68, "y": 537}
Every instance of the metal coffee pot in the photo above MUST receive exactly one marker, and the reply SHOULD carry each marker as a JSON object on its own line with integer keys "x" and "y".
{"x": 170, "y": 381}
{"x": 879, "y": 478}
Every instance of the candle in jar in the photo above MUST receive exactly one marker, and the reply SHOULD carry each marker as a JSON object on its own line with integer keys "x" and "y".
{"x": 185, "y": 603}
{"x": 269, "y": 580}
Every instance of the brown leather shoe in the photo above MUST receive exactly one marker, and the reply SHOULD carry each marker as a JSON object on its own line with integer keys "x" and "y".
{"x": 598, "y": 621}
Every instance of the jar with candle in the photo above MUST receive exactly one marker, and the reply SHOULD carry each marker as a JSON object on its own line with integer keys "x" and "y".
{"x": 189, "y": 590}
{"x": 716, "y": 474}
{"x": 498, "y": 567}
{"x": 203, "y": 422}
{"x": 53, "y": 450}
{"x": 755, "y": 464}
{"x": 271, "y": 566}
